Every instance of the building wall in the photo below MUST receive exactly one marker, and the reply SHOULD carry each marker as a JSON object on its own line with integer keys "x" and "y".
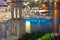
{"x": 16, "y": 10}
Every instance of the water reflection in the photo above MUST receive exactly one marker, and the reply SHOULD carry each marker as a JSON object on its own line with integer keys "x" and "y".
{"x": 41, "y": 23}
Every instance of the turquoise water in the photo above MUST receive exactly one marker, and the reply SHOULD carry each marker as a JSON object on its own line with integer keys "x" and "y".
{"x": 42, "y": 23}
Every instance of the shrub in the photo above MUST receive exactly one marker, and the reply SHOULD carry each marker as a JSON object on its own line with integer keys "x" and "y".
{"x": 39, "y": 35}
{"x": 31, "y": 36}
{"x": 46, "y": 37}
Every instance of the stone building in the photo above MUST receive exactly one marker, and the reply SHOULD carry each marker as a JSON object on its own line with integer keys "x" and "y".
{"x": 16, "y": 11}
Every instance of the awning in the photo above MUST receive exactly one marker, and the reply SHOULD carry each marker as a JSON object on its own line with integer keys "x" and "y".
{"x": 42, "y": 10}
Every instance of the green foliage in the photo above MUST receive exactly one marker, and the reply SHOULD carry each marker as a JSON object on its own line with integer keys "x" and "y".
{"x": 31, "y": 36}
{"x": 46, "y": 37}
{"x": 12, "y": 38}
{"x": 39, "y": 35}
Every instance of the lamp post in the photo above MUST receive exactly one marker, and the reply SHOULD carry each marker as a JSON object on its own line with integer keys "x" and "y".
{"x": 36, "y": 1}
{"x": 55, "y": 18}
